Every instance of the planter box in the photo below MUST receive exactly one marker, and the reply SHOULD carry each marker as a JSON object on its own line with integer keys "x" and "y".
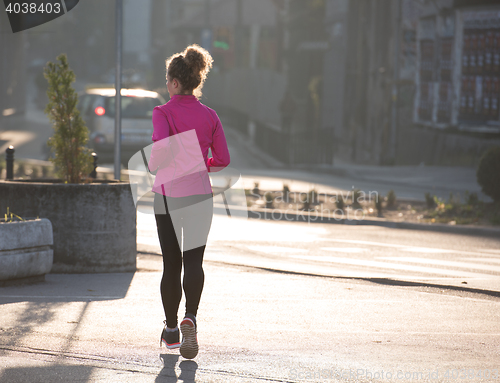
{"x": 94, "y": 224}
{"x": 25, "y": 249}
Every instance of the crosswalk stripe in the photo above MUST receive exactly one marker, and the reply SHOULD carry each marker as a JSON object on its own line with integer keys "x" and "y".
{"x": 487, "y": 253}
{"x": 148, "y": 240}
{"x": 440, "y": 262}
{"x": 388, "y": 265}
{"x": 483, "y": 260}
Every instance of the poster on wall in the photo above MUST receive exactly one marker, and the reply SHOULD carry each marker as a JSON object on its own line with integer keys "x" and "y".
{"x": 435, "y": 84}
{"x": 480, "y": 70}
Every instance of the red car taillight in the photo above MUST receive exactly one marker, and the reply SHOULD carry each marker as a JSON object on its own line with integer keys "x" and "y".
{"x": 99, "y": 139}
{"x": 100, "y": 111}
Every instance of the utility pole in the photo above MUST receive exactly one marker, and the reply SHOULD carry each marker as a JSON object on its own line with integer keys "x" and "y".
{"x": 206, "y": 33}
{"x": 118, "y": 86}
{"x": 239, "y": 34}
{"x": 395, "y": 84}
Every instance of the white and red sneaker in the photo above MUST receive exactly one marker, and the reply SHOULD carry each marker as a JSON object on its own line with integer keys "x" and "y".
{"x": 170, "y": 338}
{"x": 189, "y": 345}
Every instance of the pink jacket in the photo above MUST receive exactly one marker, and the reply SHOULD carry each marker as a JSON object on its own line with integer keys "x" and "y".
{"x": 184, "y": 130}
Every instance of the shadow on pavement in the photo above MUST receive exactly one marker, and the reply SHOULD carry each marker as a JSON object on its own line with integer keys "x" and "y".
{"x": 168, "y": 375}
{"x": 59, "y": 288}
{"x": 53, "y": 373}
{"x": 41, "y": 302}
{"x": 188, "y": 370}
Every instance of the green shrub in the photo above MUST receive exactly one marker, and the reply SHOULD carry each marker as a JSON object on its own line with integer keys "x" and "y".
{"x": 286, "y": 192}
{"x": 269, "y": 200}
{"x": 21, "y": 169}
{"x": 430, "y": 202}
{"x": 313, "y": 196}
{"x": 488, "y": 173}
{"x": 471, "y": 198}
{"x": 378, "y": 204}
{"x": 72, "y": 159}
{"x": 11, "y": 217}
{"x": 46, "y": 171}
{"x": 391, "y": 199}
{"x": 340, "y": 203}
{"x": 356, "y": 194}
{"x": 255, "y": 189}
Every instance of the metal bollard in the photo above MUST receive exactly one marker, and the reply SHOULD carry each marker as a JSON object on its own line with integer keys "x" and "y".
{"x": 93, "y": 174}
{"x": 9, "y": 159}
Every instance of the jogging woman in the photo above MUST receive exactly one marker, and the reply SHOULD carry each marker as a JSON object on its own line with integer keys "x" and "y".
{"x": 184, "y": 131}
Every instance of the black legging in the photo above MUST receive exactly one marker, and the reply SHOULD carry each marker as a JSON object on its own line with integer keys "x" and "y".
{"x": 192, "y": 214}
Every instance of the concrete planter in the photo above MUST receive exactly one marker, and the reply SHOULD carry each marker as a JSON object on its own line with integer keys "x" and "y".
{"x": 25, "y": 250}
{"x": 94, "y": 224}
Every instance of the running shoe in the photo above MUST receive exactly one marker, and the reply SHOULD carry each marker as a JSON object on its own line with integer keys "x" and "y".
{"x": 170, "y": 338}
{"x": 189, "y": 345}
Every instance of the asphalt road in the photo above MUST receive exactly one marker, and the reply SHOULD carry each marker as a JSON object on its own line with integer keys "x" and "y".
{"x": 277, "y": 306}
{"x": 335, "y": 250}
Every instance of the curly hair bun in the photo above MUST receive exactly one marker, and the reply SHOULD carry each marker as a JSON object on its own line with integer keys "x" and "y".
{"x": 190, "y": 68}
{"x": 198, "y": 59}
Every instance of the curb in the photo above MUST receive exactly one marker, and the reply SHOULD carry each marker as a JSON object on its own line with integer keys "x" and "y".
{"x": 351, "y": 174}
{"x": 306, "y": 217}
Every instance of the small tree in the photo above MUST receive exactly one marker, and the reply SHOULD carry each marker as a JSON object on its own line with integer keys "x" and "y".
{"x": 391, "y": 199}
{"x": 72, "y": 160}
{"x": 356, "y": 195}
{"x": 378, "y": 204}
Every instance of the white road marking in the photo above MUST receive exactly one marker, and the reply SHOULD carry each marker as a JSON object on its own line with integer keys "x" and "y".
{"x": 440, "y": 262}
{"x": 345, "y": 249}
{"x": 275, "y": 249}
{"x": 425, "y": 250}
{"x": 148, "y": 240}
{"x": 483, "y": 260}
{"x": 494, "y": 251}
{"x": 422, "y": 249}
{"x": 387, "y": 265}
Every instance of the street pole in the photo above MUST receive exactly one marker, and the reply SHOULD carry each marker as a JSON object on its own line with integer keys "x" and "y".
{"x": 395, "y": 84}
{"x": 239, "y": 34}
{"x": 118, "y": 86}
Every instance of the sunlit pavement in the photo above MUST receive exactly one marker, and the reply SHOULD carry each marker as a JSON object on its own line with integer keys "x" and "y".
{"x": 368, "y": 252}
{"x": 280, "y": 303}
{"x": 254, "y": 325}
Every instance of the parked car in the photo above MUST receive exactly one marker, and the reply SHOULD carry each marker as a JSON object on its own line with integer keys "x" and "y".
{"x": 97, "y": 107}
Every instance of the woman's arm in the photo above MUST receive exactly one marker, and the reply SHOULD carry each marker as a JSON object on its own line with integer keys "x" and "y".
{"x": 160, "y": 136}
{"x": 220, "y": 153}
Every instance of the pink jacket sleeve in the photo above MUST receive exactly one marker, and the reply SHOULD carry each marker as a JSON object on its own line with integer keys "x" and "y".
{"x": 161, "y": 130}
{"x": 220, "y": 153}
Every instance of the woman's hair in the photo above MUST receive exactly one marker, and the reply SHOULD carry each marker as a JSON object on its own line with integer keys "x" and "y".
{"x": 190, "y": 68}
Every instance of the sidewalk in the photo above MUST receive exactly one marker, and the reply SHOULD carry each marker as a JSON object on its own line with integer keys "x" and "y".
{"x": 440, "y": 180}
{"x": 254, "y": 326}
{"x": 410, "y": 183}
